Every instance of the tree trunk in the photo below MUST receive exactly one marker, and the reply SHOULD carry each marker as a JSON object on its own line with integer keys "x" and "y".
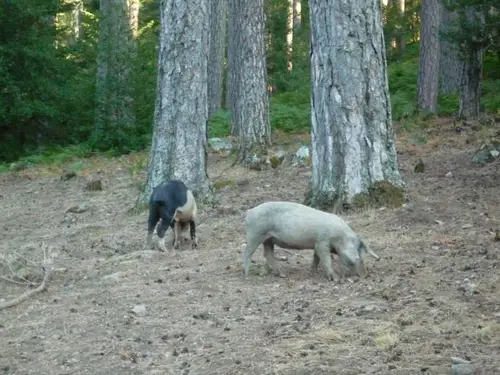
{"x": 179, "y": 148}
{"x": 297, "y": 14}
{"x": 400, "y": 39}
{"x": 352, "y": 138}
{"x": 470, "y": 87}
{"x": 231, "y": 43}
{"x": 250, "y": 111}
{"x": 472, "y": 70}
{"x": 289, "y": 35}
{"x": 218, "y": 23}
{"x": 428, "y": 72}
{"x": 133, "y": 9}
{"x": 450, "y": 66}
{"x": 115, "y": 118}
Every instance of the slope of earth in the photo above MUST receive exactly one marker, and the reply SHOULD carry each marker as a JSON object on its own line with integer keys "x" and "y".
{"x": 114, "y": 308}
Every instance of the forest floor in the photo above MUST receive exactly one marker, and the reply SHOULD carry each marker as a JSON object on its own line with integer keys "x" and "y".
{"x": 113, "y": 308}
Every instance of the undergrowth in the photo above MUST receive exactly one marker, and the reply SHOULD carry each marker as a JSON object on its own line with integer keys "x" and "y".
{"x": 290, "y": 112}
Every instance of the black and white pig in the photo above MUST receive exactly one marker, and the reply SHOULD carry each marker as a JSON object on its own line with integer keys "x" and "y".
{"x": 174, "y": 204}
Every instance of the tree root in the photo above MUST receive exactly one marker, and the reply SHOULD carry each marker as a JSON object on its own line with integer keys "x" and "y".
{"x": 28, "y": 294}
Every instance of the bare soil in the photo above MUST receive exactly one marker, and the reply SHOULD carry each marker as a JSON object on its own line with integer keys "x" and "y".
{"x": 416, "y": 309}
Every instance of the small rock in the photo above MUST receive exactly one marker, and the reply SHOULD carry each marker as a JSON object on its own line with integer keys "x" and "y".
{"x": 470, "y": 288}
{"x": 114, "y": 276}
{"x": 94, "y": 185}
{"x": 67, "y": 175}
{"x": 449, "y": 174}
{"x": 78, "y": 209}
{"x": 139, "y": 309}
{"x": 301, "y": 156}
{"x": 466, "y": 226}
{"x": 220, "y": 144}
{"x": 18, "y": 166}
{"x": 461, "y": 367}
{"x": 254, "y": 163}
{"x": 487, "y": 153}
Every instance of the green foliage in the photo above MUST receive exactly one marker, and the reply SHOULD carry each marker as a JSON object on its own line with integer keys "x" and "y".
{"x": 220, "y": 124}
{"x": 48, "y": 77}
{"x": 32, "y": 75}
{"x": 476, "y": 27}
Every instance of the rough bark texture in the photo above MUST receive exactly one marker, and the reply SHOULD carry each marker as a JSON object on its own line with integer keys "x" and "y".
{"x": 297, "y": 14}
{"x": 218, "y": 23}
{"x": 450, "y": 66}
{"x": 231, "y": 42}
{"x": 470, "y": 87}
{"x": 115, "y": 118}
{"x": 428, "y": 71}
{"x": 472, "y": 70}
{"x": 250, "y": 111}
{"x": 179, "y": 149}
{"x": 352, "y": 137}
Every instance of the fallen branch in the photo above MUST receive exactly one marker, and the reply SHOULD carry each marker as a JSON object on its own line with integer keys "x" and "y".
{"x": 28, "y": 294}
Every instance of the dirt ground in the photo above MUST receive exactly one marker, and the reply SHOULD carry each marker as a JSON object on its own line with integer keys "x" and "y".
{"x": 433, "y": 295}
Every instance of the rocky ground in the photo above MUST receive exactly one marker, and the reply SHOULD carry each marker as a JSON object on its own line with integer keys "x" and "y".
{"x": 113, "y": 308}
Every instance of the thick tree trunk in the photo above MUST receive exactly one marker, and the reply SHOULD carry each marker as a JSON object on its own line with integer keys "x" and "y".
{"x": 218, "y": 23}
{"x": 352, "y": 137}
{"x": 450, "y": 66}
{"x": 250, "y": 111}
{"x": 472, "y": 70}
{"x": 115, "y": 118}
{"x": 428, "y": 72}
{"x": 179, "y": 149}
{"x": 470, "y": 87}
{"x": 231, "y": 80}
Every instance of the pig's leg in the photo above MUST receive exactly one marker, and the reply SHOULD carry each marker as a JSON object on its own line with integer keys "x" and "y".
{"x": 192, "y": 232}
{"x": 271, "y": 259}
{"x": 315, "y": 263}
{"x": 253, "y": 243}
{"x": 177, "y": 235}
{"x": 322, "y": 250}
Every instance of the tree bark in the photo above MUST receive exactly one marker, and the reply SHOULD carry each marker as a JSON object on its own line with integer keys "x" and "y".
{"x": 472, "y": 70}
{"x": 250, "y": 111}
{"x": 470, "y": 87}
{"x": 179, "y": 147}
{"x": 450, "y": 65}
{"x": 218, "y": 24}
{"x": 231, "y": 43}
{"x": 115, "y": 117}
{"x": 352, "y": 137}
{"x": 428, "y": 72}
{"x": 297, "y": 14}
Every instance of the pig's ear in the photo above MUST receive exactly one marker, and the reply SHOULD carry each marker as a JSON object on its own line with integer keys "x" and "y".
{"x": 368, "y": 250}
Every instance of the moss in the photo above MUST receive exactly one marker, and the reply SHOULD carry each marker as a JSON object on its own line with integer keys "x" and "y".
{"x": 322, "y": 201}
{"x": 221, "y": 184}
{"x": 275, "y": 162}
{"x": 380, "y": 194}
{"x": 419, "y": 167}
